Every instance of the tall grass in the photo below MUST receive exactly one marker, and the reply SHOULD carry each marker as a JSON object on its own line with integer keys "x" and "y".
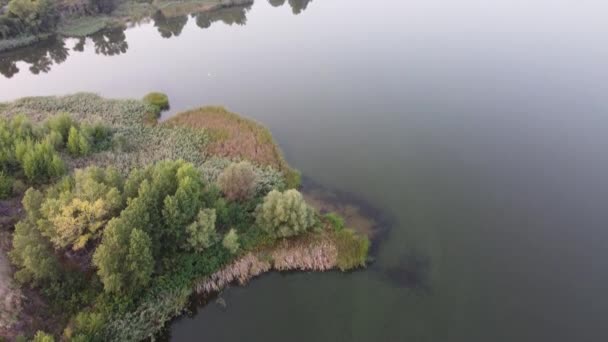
{"x": 352, "y": 249}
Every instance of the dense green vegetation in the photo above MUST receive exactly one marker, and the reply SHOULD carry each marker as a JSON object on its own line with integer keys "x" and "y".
{"x": 32, "y": 152}
{"x": 27, "y": 17}
{"x": 139, "y": 230}
{"x": 122, "y": 219}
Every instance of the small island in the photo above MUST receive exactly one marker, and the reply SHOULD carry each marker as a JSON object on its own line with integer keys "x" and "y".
{"x": 111, "y": 221}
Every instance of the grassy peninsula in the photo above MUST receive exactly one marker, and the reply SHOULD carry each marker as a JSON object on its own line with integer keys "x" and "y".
{"x": 112, "y": 220}
{"x": 25, "y": 22}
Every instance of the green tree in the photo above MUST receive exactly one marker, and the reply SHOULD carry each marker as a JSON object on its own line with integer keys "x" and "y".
{"x": 110, "y": 256}
{"x": 231, "y": 241}
{"x": 77, "y": 144}
{"x": 36, "y": 16}
{"x": 32, "y": 254}
{"x": 201, "y": 233}
{"x": 181, "y": 209}
{"x": 124, "y": 258}
{"x": 140, "y": 262}
{"x": 78, "y": 222}
{"x": 84, "y": 145}
{"x": 32, "y": 201}
{"x": 133, "y": 182}
{"x": 284, "y": 214}
{"x": 76, "y": 209}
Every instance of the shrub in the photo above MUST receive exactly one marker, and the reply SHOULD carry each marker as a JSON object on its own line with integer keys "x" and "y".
{"x": 284, "y": 214}
{"x": 160, "y": 100}
{"x": 352, "y": 249}
{"x": 238, "y": 181}
{"x": 78, "y": 144}
{"x": 61, "y": 124}
{"x": 182, "y": 208}
{"x": 231, "y": 241}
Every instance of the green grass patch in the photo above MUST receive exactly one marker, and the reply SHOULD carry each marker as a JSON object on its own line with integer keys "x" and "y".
{"x": 83, "y": 26}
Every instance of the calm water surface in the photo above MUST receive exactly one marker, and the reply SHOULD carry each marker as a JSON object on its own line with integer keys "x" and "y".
{"x": 479, "y": 127}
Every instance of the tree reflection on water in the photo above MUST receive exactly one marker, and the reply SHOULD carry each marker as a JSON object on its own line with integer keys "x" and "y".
{"x": 113, "y": 42}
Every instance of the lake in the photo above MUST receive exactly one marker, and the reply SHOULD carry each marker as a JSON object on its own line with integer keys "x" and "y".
{"x": 477, "y": 128}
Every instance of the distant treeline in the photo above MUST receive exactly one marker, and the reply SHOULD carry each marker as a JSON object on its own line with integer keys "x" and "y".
{"x": 27, "y": 18}
{"x": 34, "y": 17}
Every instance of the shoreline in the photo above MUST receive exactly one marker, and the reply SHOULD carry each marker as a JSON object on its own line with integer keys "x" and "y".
{"x": 317, "y": 257}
